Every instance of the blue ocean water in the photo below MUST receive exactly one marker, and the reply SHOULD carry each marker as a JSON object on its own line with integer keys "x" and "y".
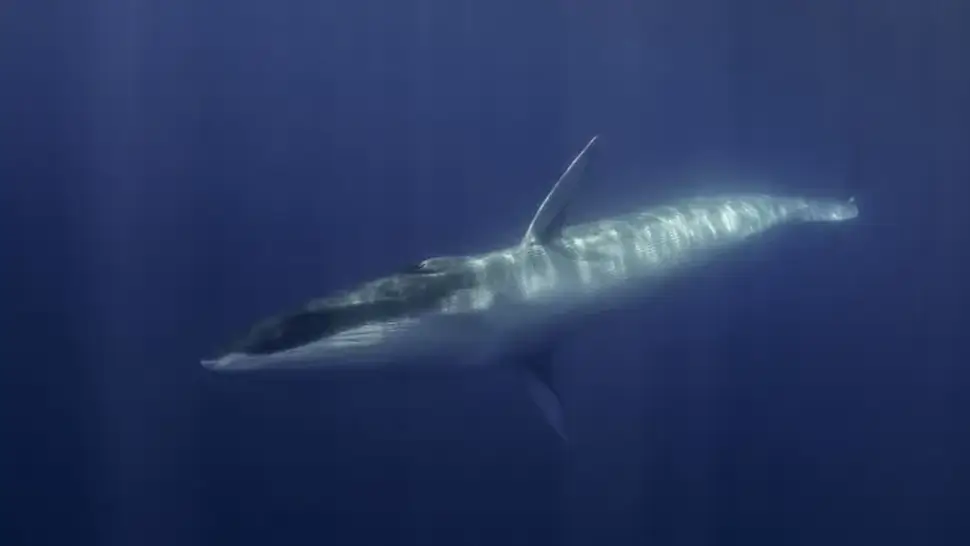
{"x": 172, "y": 170}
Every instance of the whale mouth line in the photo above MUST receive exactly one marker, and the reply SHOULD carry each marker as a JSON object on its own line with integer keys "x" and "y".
{"x": 370, "y": 340}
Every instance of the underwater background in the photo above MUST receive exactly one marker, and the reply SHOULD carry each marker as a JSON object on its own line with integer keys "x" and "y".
{"x": 172, "y": 170}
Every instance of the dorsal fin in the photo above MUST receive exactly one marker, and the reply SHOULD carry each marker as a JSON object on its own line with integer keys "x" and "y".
{"x": 547, "y": 221}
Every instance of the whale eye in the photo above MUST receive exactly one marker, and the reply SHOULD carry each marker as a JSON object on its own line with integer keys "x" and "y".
{"x": 418, "y": 268}
{"x": 413, "y": 268}
{"x": 431, "y": 266}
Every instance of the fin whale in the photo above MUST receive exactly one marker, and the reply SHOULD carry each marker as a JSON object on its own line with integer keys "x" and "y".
{"x": 465, "y": 310}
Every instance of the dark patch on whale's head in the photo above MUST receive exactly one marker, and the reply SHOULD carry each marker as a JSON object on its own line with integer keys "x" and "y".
{"x": 415, "y": 290}
{"x": 283, "y": 332}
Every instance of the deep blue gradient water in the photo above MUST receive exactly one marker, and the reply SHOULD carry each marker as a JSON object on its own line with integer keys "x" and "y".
{"x": 172, "y": 170}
